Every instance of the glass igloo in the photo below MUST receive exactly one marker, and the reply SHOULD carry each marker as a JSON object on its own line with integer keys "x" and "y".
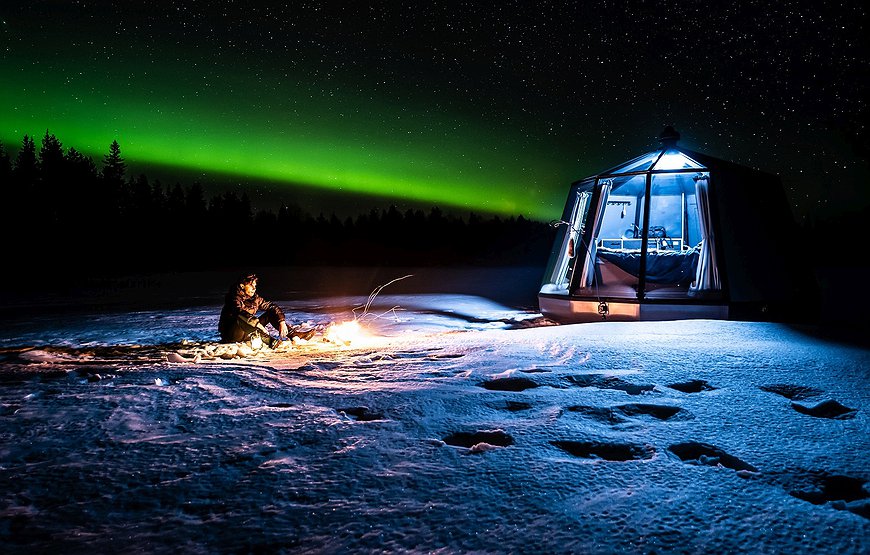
{"x": 647, "y": 240}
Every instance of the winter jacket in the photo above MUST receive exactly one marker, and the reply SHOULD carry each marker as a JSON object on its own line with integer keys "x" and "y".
{"x": 236, "y": 304}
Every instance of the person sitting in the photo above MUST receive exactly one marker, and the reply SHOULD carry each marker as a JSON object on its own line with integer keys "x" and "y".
{"x": 239, "y": 321}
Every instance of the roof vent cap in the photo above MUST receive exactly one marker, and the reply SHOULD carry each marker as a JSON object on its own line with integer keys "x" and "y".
{"x": 669, "y": 137}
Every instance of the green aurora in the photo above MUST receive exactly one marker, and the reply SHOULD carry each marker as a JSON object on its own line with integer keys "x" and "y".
{"x": 492, "y": 109}
{"x": 251, "y": 125}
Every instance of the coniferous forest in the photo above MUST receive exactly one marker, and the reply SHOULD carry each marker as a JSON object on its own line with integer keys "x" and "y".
{"x": 64, "y": 212}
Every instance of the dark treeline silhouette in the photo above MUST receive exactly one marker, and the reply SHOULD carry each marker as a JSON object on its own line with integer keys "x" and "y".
{"x": 64, "y": 213}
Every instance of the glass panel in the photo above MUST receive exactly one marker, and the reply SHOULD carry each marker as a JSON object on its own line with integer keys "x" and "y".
{"x": 617, "y": 231}
{"x": 676, "y": 160}
{"x": 640, "y": 163}
{"x": 569, "y": 241}
{"x": 674, "y": 234}
{"x": 623, "y": 214}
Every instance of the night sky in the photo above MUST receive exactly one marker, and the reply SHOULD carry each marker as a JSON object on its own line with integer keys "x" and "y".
{"x": 482, "y": 107}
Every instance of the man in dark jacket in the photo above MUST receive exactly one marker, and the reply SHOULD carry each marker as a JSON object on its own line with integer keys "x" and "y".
{"x": 239, "y": 320}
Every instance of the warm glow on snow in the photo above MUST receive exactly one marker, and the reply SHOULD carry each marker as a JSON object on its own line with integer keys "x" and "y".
{"x": 346, "y": 333}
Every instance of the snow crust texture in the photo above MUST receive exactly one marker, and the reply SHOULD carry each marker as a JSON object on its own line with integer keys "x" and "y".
{"x": 456, "y": 426}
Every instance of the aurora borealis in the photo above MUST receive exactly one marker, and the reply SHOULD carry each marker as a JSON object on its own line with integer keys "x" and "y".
{"x": 295, "y": 136}
{"x": 486, "y": 108}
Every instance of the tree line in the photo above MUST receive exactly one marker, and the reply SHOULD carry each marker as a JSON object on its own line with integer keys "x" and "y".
{"x": 61, "y": 210}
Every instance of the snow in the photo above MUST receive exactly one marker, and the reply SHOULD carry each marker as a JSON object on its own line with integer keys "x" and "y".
{"x": 459, "y": 424}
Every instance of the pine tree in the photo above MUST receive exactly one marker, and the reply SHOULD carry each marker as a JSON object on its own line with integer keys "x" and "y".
{"x": 8, "y": 194}
{"x": 114, "y": 167}
{"x": 141, "y": 204}
{"x": 20, "y": 206}
{"x": 111, "y": 195}
{"x": 80, "y": 188}
{"x": 52, "y": 172}
{"x": 80, "y": 166}
{"x": 51, "y": 155}
{"x": 26, "y": 171}
{"x": 5, "y": 165}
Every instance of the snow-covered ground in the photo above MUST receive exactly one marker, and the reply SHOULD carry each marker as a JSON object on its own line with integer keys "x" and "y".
{"x": 458, "y": 424}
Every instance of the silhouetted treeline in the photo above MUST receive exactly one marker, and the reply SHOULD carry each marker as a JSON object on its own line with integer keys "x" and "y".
{"x": 62, "y": 211}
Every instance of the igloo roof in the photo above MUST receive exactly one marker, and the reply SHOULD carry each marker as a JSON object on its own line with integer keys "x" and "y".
{"x": 669, "y": 158}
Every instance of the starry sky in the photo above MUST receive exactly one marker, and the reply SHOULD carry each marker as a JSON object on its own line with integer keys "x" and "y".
{"x": 482, "y": 106}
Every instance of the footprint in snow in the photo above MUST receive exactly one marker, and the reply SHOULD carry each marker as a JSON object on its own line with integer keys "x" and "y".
{"x": 793, "y": 392}
{"x": 617, "y": 452}
{"x": 704, "y": 454}
{"x": 604, "y": 415}
{"x": 510, "y": 406}
{"x": 516, "y": 406}
{"x": 616, "y": 415}
{"x": 509, "y": 384}
{"x": 826, "y": 409}
{"x": 608, "y": 382}
{"x": 479, "y": 441}
{"x": 820, "y": 488}
{"x": 658, "y": 412}
{"x": 692, "y": 386}
{"x": 362, "y": 414}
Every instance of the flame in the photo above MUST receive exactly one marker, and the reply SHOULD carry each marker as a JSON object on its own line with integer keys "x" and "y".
{"x": 345, "y": 333}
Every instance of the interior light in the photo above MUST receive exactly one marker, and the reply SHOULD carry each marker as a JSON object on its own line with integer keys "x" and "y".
{"x": 673, "y": 161}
